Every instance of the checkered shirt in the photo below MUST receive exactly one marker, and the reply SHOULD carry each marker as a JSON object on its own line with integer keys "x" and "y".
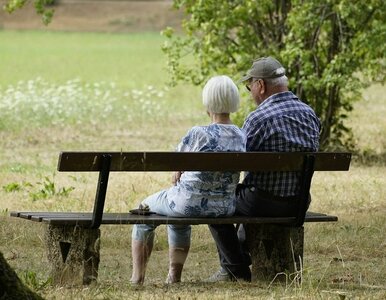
{"x": 282, "y": 123}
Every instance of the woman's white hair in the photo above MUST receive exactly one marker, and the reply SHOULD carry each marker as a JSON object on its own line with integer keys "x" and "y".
{"x": 221, "y": 95}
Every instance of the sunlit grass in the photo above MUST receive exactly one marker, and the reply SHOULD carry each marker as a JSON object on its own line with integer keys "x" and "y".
{"x": 93, "y": 57}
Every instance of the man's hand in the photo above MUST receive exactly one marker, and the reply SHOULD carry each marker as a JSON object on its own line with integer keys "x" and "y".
{"x": 176, "y": 177}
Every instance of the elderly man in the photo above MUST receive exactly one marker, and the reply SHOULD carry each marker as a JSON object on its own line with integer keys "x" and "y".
{"x": 281, "y": 123}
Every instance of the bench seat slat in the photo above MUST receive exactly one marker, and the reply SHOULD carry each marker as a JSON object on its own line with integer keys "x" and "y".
{"x": 84, "y": 219}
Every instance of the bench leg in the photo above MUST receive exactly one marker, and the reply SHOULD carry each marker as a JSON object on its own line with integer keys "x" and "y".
{"x": 276, "y": 251}
{"x": 73, "y": 253}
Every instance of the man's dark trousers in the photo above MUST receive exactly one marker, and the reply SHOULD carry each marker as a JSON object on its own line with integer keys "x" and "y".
{"x": 230, "y": 242}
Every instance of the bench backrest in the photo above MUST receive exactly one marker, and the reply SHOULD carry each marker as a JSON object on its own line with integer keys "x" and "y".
{"x": 105, "y": 162}
{"x": 201, "y": 161}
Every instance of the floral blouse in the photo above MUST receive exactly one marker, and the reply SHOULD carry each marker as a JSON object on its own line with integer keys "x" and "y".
{"x": 208, "y": 194}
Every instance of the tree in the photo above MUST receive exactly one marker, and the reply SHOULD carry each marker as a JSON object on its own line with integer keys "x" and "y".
{"x": 332, "y": 49}
{"x": 41, "y": 7}
{"x": 10, "y": 285}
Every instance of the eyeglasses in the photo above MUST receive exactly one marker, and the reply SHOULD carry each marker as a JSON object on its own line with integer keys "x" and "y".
{"x": 249, "y": 84}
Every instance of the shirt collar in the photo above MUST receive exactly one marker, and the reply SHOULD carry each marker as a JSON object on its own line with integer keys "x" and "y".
{"x": 282, "y": 96}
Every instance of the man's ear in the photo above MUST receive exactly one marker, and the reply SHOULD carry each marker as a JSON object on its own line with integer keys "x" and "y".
{"x": 262, "y": 86}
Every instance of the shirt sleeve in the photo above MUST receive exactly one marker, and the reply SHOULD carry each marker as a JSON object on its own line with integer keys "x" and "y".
{"x": 192, "y": 141}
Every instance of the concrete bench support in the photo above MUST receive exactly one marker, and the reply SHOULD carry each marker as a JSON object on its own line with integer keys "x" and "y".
{"x": 73, "y": 253}
{"x": 276, "y": 251}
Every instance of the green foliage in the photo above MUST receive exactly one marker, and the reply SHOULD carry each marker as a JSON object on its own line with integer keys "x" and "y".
{"x": 42, "y": 190}
{"x": 47, "y": 189}
{"x": 32, "y": 279}
{"x": 12, "y": 187}
{"x": 331, "y": 49}
{"x": 16, "y": 187}
{"x": 40, "y": 8}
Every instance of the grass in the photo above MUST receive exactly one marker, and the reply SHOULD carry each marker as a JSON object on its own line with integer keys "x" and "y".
{"x": 73, "y": 91}
{"x": 94, "y": 57}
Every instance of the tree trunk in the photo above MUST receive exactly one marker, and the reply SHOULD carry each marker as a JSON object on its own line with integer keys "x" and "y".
{"x": 11, "y": 286}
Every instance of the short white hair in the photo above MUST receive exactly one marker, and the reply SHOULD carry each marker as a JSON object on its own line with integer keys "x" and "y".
{"x": 279, "y": 81}
{"x": 221, "y": 95}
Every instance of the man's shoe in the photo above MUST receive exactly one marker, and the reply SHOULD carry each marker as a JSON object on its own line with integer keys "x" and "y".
{"x": 220, "y": 276}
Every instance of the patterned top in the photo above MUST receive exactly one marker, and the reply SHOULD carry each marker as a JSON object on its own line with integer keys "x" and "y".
{"x": 208, "y": 194}
{"x": 282, "y": 123}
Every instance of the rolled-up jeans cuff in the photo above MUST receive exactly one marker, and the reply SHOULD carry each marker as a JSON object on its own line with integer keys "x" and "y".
{"x": 179, "y": 235}
{"x": 143, "y": 232}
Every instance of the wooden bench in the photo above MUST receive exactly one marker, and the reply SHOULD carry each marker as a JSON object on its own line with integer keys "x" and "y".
{"x": 276, "y": 244}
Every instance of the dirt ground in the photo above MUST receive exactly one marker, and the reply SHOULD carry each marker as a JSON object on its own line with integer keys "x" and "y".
{"x": 97, "y": 15}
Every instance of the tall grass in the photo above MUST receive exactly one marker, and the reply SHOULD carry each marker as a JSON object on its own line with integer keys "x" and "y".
{"x": 72, "y": 91}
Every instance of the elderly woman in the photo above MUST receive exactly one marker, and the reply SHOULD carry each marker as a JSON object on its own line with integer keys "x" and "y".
{"x": 194, "y": 194}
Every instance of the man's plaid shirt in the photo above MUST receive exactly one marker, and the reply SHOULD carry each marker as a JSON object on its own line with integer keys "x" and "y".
{"x": 282, "y": 123}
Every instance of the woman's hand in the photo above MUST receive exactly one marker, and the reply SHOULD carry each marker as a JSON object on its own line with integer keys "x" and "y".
{"x": 176, "y": 177}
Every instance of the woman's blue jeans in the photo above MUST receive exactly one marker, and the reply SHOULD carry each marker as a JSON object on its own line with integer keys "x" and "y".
{"x": 178, "y": 235}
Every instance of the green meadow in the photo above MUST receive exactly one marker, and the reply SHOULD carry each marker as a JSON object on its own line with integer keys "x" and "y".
{"x": 98, "y": 91}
